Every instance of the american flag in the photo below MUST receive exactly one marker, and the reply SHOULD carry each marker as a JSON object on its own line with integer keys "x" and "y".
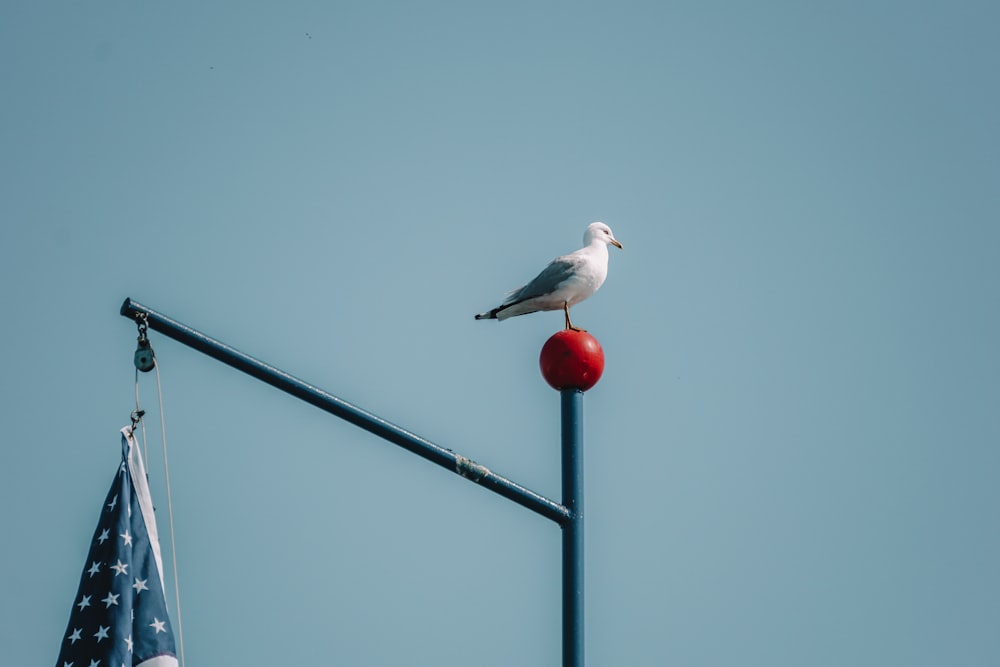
{"x": 119, "y": 617}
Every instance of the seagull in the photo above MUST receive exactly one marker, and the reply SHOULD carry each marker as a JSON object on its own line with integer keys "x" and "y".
{"x": 565, "y": 282}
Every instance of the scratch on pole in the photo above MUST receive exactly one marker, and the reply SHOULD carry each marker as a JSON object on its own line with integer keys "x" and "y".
{"x": 469, "y": 469}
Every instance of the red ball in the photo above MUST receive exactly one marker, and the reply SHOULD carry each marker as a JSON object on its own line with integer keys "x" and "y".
{"x": 572, "y": 360}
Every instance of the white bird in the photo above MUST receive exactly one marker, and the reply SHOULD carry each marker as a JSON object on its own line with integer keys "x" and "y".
{"x": 565, "y": 282}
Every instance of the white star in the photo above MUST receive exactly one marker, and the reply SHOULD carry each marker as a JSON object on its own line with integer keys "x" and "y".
{"x": 140, "y": 585}
{"x": 67, "y": 664}
{"x": 157, "y": 625}
{"x": 102, "y": 632}
{"x": 104, "y": 536}
{"x": 94, "y": 663}
{"x": 120, "y": 568}
{"x": 112, "y": 599}
{"x": 76, "y": 635}
{"x": 94, "y": 568}
{"x": 114, "y": 501}
{"x": 128, "y": 538}
{"x": 84, "y": 602}
{"x": 128, "y": 642}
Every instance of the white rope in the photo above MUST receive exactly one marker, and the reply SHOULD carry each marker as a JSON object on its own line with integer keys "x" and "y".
{"x": 142, "y": 422}
{"x": 170, "y": 515}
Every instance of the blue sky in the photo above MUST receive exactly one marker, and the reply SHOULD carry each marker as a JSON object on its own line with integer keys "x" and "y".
{"x": 791, "y": 458}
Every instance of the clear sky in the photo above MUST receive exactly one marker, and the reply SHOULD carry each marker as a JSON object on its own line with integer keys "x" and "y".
{"x": 792, "y": 457}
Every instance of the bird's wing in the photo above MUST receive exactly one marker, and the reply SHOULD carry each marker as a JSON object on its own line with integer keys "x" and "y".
{"x": 557, "y": 272}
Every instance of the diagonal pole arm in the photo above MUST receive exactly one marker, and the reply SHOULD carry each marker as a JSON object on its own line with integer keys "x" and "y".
{"x": 275, "y": 377}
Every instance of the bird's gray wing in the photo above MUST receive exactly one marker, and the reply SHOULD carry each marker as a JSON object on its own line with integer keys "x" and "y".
{"x": 557, "y": 272}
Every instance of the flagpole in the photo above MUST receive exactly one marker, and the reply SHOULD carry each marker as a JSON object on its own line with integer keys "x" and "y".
{"x": 571, "y": 361}
{"x": 572, "y": 530}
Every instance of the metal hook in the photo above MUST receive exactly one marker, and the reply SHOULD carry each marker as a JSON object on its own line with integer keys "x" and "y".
{"x": 136, "y": 417}
{"x": 144, "y": 358}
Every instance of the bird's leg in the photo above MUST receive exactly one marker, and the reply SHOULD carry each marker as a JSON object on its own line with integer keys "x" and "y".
{"x": 569, "y": 322}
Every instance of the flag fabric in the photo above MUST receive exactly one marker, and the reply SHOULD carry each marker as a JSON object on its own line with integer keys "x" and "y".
{"x": 119, "y": 617}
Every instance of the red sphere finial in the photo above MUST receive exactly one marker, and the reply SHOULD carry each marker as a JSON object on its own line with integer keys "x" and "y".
{"x": 572, "y": 360}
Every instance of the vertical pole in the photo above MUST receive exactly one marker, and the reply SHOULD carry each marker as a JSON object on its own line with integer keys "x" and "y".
{"x": 572, "y": 536}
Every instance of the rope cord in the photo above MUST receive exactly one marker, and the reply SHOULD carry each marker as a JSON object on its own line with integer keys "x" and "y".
{"x": 138, "y": 418}
{"x": 142, "y": 422}
{"x": 170, "y": 515}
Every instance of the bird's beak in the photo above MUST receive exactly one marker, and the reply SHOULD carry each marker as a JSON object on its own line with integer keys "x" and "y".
{"x": 615, "y": 242}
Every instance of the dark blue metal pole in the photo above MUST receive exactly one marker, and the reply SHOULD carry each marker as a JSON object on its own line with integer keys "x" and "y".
{"x": 572, "y": 537}
{"x": 275, "y": 377}
{"x": 569, "y": 515}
